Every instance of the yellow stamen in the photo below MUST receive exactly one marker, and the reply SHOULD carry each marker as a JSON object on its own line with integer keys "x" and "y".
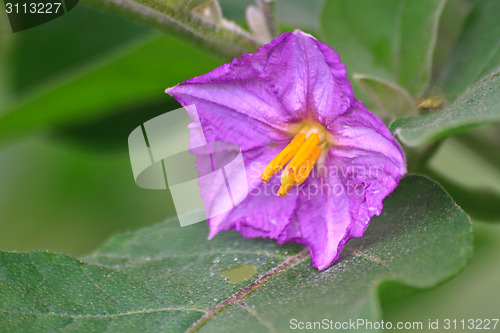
{"x": 284, "y": 189}
{"x": 309, "y": 165}
{"x": 299, "y": 160}
{"x": 301, "y": 155}
{"x": 304, "y": 172}
{"x": 285, "y": 177}
{"x": 283, "y": 157}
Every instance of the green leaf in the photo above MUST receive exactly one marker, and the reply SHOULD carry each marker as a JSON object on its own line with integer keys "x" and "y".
{"x": 390, "y": 99}
{"x": 167, "y": 278}
{"x": 472, "y": 294}
{"x": 451, "y": 26}
{"x": 480, "y": 104}
{"x": 478, "y": 51}
{"x": 391, "y": 39}
{"x": 480, "y": 203}
{"x": 136, "y": 75}
{"x": 419, "y": 28}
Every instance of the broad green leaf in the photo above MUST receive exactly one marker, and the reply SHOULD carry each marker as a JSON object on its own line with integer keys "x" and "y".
{"x": 390, "y": 99}
{"x": 480, "y": 204}
{"x": 480, "y": 104}
{"x": 478, "y": 51}
{"x": 136, "y": 75}
{"x": 419, "y": 28}
{"x": 167, "y": 278}
{"x": 450, "y": 30}
{"x": 472, "y": 294}
{"x": 387, "y": 38}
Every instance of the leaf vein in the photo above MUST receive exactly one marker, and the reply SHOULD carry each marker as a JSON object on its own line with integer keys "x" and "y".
{"x": 103, "y": 315}
{"x": 254, "y": 313}
{"x": 370, "y": 257}
{"x": 250, "y": 288}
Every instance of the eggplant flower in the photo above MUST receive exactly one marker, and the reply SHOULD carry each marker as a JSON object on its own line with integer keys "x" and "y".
{"x": 318, "y": 162}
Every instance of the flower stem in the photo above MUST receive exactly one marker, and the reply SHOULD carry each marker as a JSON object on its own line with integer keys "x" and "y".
{"x": 224, "y": 38}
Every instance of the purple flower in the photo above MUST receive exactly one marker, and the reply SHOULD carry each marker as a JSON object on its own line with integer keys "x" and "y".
{"x": 291, "y": 109}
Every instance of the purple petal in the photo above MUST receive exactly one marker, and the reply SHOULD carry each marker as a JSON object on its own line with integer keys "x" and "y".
{"x": 235, "y": 105}
{"x": 261, "y": 213}
{"x": 324, "y": 219}
{"x": 306, "y": 75}
{"x": 253, "y": 100}
{"x": 340, "y": 196}
{"x": 369, "y": 161}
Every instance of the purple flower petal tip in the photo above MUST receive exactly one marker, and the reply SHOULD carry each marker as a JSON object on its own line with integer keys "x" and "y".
{"x": 293, "y": 86}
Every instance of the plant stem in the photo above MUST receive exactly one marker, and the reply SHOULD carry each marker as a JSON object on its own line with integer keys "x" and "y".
{"x": 225, "y": 39}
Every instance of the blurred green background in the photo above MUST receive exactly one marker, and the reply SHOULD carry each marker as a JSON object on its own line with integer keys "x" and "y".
{"x": 73, "y": 89}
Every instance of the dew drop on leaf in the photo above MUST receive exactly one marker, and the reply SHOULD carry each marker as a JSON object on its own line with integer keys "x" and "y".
{"x": 239, "y": 274}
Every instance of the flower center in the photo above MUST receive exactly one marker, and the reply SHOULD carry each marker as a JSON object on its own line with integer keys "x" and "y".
{"x": 303, "y": 151}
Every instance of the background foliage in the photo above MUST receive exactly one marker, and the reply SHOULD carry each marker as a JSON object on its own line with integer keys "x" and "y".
{"x": 73, "y": 89}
